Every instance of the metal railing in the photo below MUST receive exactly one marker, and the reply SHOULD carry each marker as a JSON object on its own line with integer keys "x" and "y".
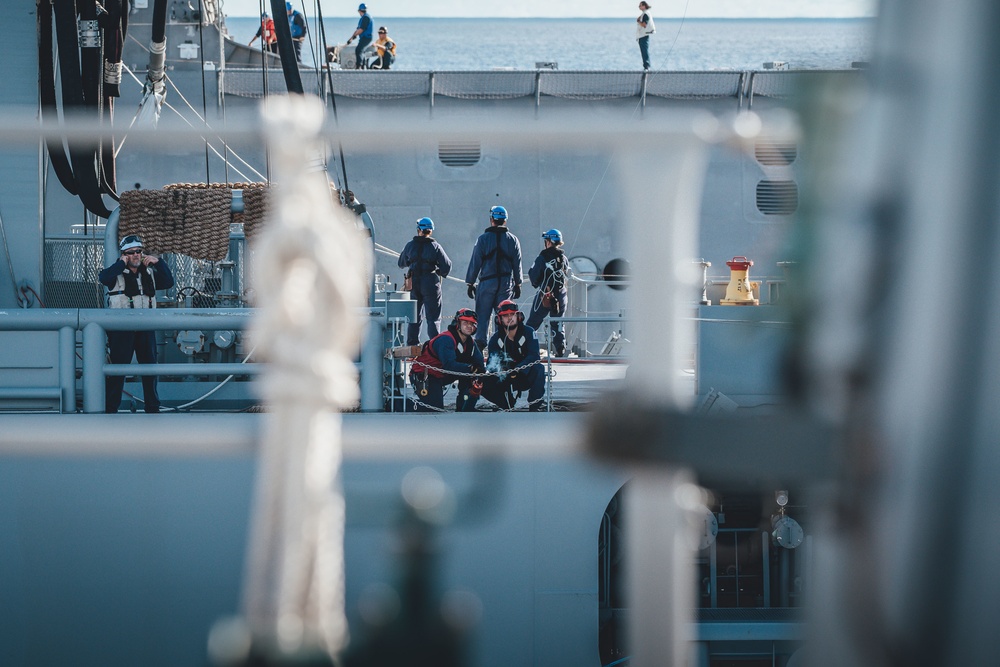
{"x": 95, "y": 323}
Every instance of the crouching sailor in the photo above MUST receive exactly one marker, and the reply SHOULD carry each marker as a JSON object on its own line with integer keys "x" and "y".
{"x": 452, "y": 355}
{"x": 132, "y": 282}
{"x": 514, "y": 354}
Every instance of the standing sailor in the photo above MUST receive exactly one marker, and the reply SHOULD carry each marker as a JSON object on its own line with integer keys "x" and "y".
{"x": 548, "y": 276}
{"x": 363, "y": 33}
{"x": 268, "y": 38}
{"x": 428, "y": 264}
{"x": 643, "y": 29}
{"x": 496, "y": 263}
{"x": 297, "y": 25}
{"x": 132, "y": 282}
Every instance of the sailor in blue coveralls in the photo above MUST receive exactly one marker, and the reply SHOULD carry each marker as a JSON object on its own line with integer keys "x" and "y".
{"x": 363, "y": 33}
{"x": 548, "y": 276}
{"x": 428, "y": 264}
{"x": 496, "y": 263}
{"x": 132, "y": 282}
{"x": 297, "y": 26}
{"x": 514, "y": 345}
{"x": 454, "y": 351}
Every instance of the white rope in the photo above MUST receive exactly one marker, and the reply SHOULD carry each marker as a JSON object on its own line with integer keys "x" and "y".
{"x": 311, "y": 285}
{"x": 236, "y": 155}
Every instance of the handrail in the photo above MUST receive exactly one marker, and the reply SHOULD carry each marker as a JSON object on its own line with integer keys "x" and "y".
{"x": 599, "y": 280}
{"x": 95, "y": 322}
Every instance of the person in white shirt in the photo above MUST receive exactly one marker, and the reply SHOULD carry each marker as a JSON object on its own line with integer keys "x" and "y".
{"x": 643, "y": 29}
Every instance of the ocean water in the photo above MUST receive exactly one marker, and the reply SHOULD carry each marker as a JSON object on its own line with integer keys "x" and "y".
{"x": 608, "y": 44}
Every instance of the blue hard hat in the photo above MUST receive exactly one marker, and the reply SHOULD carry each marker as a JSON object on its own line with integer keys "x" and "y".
{"x": 264, "y": 15}
{"x": 498, "y": 213}
{"x": 425, "y": 223}
{"x": 553, "y": 235}
{"x": 362, "y": 8}
{"x": 288, "y": 6}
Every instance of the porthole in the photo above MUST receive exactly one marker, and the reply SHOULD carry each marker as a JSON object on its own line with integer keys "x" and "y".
{"x": 617, "y": 272}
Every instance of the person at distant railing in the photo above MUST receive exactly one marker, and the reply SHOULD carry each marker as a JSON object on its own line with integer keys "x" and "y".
{"x": 386, "y": 50}
{"x": 448, "y": 357}
{"x": 297, "y": 25}
{"x": 363, "y": 33}
{"x": 132, "y": 282}
{"x": 513, "y": 352}
{"x": 268, "y": 37}
{"x": 548, "y": 276}
{"x": 496, "y": 263}
{"x": 643, "y": 29}
{"x": 427, "y": 265}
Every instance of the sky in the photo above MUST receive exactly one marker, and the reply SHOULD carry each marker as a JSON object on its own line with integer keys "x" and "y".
{"x": 574, "y": 8}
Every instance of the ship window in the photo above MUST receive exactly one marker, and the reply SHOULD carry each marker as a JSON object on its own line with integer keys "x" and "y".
{"x": 775, "y": 153}
{"x": 777, "y": 197}
{"x": 459, "y": 153}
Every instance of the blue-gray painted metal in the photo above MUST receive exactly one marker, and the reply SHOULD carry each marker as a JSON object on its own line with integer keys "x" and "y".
{"x": 183, "y": 369}
{"x": 371, "y": 373}
{"x": 115, "y": 319}
{"x": 732, "y": 631}
{"x": 94, "y": 353}
{"x": 67, "y": 369}
{"x": 111, "y": 251}
{"x": 133, "y": 545}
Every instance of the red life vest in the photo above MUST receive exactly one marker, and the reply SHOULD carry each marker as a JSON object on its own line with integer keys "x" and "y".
{"x": 428, "y": 360}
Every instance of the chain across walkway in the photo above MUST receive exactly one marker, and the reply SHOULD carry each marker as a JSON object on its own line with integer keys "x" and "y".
{"x": 498, "y": 374}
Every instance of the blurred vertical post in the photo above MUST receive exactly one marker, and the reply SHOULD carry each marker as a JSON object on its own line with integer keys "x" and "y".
{"x": 662, "y": 190}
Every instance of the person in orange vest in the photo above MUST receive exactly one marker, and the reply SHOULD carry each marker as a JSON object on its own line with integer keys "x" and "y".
{"x": 386, "y": 49}
{"x": 269, "y": 38}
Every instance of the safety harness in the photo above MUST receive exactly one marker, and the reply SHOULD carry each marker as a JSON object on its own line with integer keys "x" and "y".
{"x": 421, "y": 264}
{"x": 498, "y": 252}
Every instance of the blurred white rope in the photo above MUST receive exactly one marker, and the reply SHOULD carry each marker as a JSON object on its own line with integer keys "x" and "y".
{"x": 312, "y": 283}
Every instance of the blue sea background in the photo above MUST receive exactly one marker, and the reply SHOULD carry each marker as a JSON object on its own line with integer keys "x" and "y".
{"x": 440, "y": 44}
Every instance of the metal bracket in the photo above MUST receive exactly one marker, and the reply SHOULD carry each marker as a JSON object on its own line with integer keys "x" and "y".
{"x": 787, "y": 447}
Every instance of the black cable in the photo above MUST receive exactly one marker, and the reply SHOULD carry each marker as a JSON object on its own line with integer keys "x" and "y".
{"x": 82, "y": 155}
{"x": 114, "y": 28}
{"x": 263, "y": 73}
{"x": 286, "y": 50}
{"x": 204, "y": 89}
{"x": 47, "y": 96}
{"x": 333, "y": 97}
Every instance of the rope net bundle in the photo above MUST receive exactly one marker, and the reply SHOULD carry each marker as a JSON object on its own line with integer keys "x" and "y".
{"x": 182, "y": 219}
{"x": 193, "y": 218}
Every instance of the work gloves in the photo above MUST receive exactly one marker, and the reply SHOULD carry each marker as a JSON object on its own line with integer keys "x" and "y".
{"x": 517, "y": 292}
{"x": 472, "y": 291}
